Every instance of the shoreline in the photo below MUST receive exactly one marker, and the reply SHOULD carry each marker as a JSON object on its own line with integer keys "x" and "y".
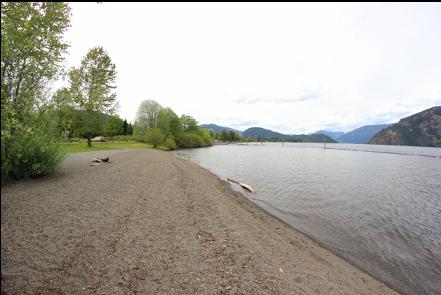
{"x": 152, "y": 221}
{"x": 240, "y": 194}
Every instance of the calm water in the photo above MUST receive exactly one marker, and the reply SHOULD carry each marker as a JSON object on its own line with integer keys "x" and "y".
{"x": 377, "y": 206}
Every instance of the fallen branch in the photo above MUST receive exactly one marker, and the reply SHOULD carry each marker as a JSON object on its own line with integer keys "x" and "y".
{"x": 100, "y": 160}
{"x": 96, "y": 161}
{"x": 243, "y": 185}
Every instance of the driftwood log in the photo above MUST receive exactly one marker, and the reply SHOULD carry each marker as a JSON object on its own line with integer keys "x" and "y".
{"x": 100, "y": 160}
{"x": 97, "y": 161}
{"x": 243, "y": 185}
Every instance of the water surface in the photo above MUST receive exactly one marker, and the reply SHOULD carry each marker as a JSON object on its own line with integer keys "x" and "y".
{"x": 379, "y": 207}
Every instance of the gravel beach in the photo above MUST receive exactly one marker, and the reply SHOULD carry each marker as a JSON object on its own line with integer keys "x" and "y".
{"x": 151, "y": 223}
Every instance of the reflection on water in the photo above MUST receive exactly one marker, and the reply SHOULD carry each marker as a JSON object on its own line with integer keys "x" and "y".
{"x": 377, "y": 206}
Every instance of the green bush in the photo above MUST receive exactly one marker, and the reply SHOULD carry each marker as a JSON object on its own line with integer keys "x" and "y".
{"x": 154, "y": 136}
{"x": 139, "y": 137}
{"x": 206, "y": 136}
{"x": 29, "y": 155}
{"x": 123, "y": 138}
{"x": 190, "y": 140}
{"x": 170, "y": 143}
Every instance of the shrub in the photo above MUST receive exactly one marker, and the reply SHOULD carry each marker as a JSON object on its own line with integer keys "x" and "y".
{"x": 139, "y": 137}
{"x": 190, "y": 140}
{"x": 206, "y": 136}
{"x": 170, "y": 143}
{"x": 123, "y": 138}
{"x": 154, "y": 136}
{"x": 29, "y": 154}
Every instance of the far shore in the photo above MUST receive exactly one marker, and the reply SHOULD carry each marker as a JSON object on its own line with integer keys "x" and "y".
{"x": 149, "y": 222}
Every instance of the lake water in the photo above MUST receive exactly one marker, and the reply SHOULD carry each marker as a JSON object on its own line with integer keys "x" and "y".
{"x": 379, "y": 207}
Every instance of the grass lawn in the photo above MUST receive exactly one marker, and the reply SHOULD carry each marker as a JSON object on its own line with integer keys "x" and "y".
{"x": 76, "y": 147}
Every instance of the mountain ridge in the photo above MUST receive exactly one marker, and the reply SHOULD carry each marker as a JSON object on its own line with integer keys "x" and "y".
{"x": 363, "y": 134}
{"x": 420, "y": 129}
{"x": 262, "y": 133}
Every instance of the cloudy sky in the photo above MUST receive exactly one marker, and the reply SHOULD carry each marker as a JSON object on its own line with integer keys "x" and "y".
{"x": 293, "y": 68}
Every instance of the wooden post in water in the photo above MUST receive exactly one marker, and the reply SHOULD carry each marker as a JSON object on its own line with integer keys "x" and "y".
{"x": 324, "y": 143}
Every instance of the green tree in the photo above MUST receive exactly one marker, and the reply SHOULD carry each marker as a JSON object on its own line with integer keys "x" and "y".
{"x": 170, "y": 143}
{"x": 233, "y": 135}
{"x": 154, "y": 136}
{"x": 125, "y": 127}
{"x": 65, "y": 112}
{"x": 114, "y": 126}
{"x": 189, "y": 123}
{"x": 32, "y": 49}
{"x": 169, "y": 122}
{"x": 147, "y": 115}
{"x": 130, "y": 129}
{"x": 224, "y": 136}
{"x": 92, "y": 87}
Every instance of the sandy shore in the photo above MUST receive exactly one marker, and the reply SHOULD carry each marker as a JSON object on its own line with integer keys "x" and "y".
{"x": 151, "y": 223}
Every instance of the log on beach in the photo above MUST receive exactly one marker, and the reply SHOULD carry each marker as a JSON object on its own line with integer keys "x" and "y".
{"x": 152, "y": 223}
{"x": 243, "y": 185}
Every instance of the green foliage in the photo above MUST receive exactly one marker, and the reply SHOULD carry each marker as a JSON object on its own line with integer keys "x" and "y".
{"x": 179, "y": 132}
{"x": 230, "y": 135}
{"x": 192, "y": 140}
{"x": 170, "y": 143}
{"x": 92, "y": 87}
{"x": 31, "y": 57}
{"x": 130, "y": 129}
{"x": 64, "y": 110}
{"x": 32, "y": 154}
{"x": 125, "y": 138}
{"x": 75, "y": 147}
{"x": 189, "y": 140}
{"x": 169, "y": 122}
{"x": 147, "y": 115}
{"x": 125, "y": 127}
{"x": 189, "y": 123}
{"x": 205, "y": 135}
{"x": 154, "y": 136}
{"x": 114, "y": 126}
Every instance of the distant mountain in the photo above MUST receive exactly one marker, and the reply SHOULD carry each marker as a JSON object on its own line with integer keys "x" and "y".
{"x": 217, "y": 128}
{"x": 255, "y": 132}
{"x": 262, "y": 133}
{"x": 421, "y": 129}
{"x": 332, "y": 134}
{"x": 362, "y": 134}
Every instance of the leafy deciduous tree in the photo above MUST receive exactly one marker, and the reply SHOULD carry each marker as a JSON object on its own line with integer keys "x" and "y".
{"x": 189, "y": 123}
{"x": 154, "y": 136}
{"x": 92, "y": 86}
{"x": 32, "y": 48}
{"x": 114, "y": 126}
{"x": 147, "y": 115}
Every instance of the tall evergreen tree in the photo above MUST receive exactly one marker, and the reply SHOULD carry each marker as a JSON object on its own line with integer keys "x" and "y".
{"x": 125, "y": 127}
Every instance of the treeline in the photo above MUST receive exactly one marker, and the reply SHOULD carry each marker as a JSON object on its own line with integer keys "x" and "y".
{"x": 35, "y": 120}
{"x": 229, "y": 135}
{"x": 161, "y": 126}
{"x": 71, "y": 123}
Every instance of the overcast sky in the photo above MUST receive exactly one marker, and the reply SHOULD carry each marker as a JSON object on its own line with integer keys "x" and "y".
{"x": 293, "y": 68}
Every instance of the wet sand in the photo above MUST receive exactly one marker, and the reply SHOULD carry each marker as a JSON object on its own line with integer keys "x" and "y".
{"x": 151, "y": 223}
